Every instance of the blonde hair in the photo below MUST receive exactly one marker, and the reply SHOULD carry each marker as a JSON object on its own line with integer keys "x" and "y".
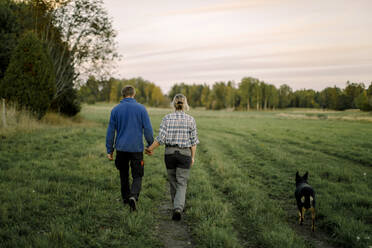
{"x": 180, "y": 103}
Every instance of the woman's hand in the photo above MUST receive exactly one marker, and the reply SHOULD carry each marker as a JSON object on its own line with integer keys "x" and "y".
{"x": 149, "y": 151}
{"x": 192, "y": 161}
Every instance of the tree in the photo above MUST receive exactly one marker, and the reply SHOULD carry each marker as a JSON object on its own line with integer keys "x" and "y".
{"x": 265, "y": 94}
{"x": 89, "y": 92}
{"x": 37, "y": 16}
{"x": 195, "y": 92}
{"x": 9, "y": 32}
{"x": 217, "y": 96}
{"x": 245, "y": 92}
{"x": 79, "y": 38}
{"x": 273, "y": 99}
{"x": 285, "y": 93}
{"x": 29, "y": 79}
{"x": 362, "y": 102}
{"x": 230, "y": 95}
{"x": 352, "y": 91}
{"x": 205, "y": 96}
{"x": 157, "y": 97}
{"x": 256, "y": 94}
{"x": 88, "y": 30}
{"x": 331, "y": 98}
{"x": 369, "y": 90}
{"x": 115, "y": 88}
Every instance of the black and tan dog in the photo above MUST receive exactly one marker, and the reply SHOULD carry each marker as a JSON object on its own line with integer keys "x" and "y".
{"x": 305, "y": 197}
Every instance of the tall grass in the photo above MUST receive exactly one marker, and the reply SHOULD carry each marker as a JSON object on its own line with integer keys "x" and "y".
{"x": 18, "y": 121}
{"x": 24, "y": 121}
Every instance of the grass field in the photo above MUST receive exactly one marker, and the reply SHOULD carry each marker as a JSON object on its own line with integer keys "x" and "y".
{"x": 57, "y": 188}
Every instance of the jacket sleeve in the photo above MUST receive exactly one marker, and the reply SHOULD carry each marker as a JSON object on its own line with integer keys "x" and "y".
{"x": 147, "y": 128}
{"x": 110, "y": 136}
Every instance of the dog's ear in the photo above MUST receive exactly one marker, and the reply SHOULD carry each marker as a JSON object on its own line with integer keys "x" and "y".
{"x": 305, "y": 176}
{"x": 297, "y": 176}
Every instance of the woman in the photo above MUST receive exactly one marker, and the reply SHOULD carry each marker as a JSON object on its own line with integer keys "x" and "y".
{"x": 178, "y": 133}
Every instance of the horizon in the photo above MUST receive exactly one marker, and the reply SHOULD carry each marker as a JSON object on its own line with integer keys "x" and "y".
{"x": 306, "y": 45}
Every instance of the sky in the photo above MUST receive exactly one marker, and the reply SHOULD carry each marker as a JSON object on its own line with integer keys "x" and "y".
{"x": 305, "y": 44}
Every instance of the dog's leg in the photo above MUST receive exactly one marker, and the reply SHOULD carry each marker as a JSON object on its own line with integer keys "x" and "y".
{"x": 302, "y": 215}
{"x": 313, "y": 219}
{"x": 299, "y": 217}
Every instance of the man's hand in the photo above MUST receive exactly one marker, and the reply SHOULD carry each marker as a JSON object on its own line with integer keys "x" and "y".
{"x": 149, "y": 151}
{"x": 110, "y": 156}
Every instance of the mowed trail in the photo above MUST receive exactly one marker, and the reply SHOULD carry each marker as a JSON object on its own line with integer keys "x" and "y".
{"x": 173, "y": 234}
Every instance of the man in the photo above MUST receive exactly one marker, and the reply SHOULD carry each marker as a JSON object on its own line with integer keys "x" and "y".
{"x": 130, "y": 121}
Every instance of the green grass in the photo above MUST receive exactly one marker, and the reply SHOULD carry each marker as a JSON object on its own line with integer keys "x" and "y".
{"x": 58, "y": 189}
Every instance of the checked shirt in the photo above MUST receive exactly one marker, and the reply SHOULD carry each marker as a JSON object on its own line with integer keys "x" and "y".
{"x": 178, "y": 129}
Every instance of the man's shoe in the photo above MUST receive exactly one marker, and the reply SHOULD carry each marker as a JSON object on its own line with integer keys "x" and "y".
{"x": 132, "y": 203}
{"x": 176, "y": 215}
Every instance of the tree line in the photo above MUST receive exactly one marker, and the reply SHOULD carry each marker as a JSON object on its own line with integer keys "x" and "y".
{"x": 45, "y": 48}
{"x": 110, "y": 91}
{"x": 253, "y": 94}
{"x": 249, "y": 94}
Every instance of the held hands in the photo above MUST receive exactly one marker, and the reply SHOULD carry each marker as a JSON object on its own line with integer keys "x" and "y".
{"x": 149, "y": 151}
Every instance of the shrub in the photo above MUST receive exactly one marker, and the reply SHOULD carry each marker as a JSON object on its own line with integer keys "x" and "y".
{"x": 67, "y": 103}
{"x": 29, "y": 79}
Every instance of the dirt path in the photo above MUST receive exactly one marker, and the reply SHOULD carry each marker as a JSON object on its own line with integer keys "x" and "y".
{"x": 318, "y": 239}
{"x": 173, "y": 234}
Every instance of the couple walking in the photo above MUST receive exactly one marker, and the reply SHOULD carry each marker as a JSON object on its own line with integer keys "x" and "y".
{"x": 130, "y": 121}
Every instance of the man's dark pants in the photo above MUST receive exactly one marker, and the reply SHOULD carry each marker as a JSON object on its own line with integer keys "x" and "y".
{"x": 122, "y": 162}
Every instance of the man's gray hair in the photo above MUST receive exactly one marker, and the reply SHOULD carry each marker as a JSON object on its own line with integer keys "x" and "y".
{"x": 128, "y": 90}
{"x": 180, "y": 102}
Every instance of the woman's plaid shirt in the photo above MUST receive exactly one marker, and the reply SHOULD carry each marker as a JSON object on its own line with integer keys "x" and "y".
{"x": 178, "y": 129}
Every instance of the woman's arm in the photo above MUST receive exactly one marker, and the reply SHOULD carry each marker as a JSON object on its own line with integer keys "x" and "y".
{"x": 151, "y": 148}
{"x": 193, "y": 151}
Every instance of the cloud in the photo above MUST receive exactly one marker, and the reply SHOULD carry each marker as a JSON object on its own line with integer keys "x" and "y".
{"x": 224, "y": 7}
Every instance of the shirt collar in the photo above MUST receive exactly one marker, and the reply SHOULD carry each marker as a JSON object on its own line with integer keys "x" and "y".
{"x": 128, "y": 99}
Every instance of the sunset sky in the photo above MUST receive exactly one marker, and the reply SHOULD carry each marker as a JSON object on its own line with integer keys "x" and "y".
{"x": 305, "y": 44}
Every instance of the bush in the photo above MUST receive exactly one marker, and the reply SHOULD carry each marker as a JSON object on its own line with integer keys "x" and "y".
{"x": 67, "y": 103}
{"x": 29, "y": 80}
{"x": 363, "y": 102}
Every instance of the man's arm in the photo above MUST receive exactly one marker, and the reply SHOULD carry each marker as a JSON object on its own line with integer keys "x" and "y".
{"x": 147, "y": 128}
{"x": 110, "y": 136}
